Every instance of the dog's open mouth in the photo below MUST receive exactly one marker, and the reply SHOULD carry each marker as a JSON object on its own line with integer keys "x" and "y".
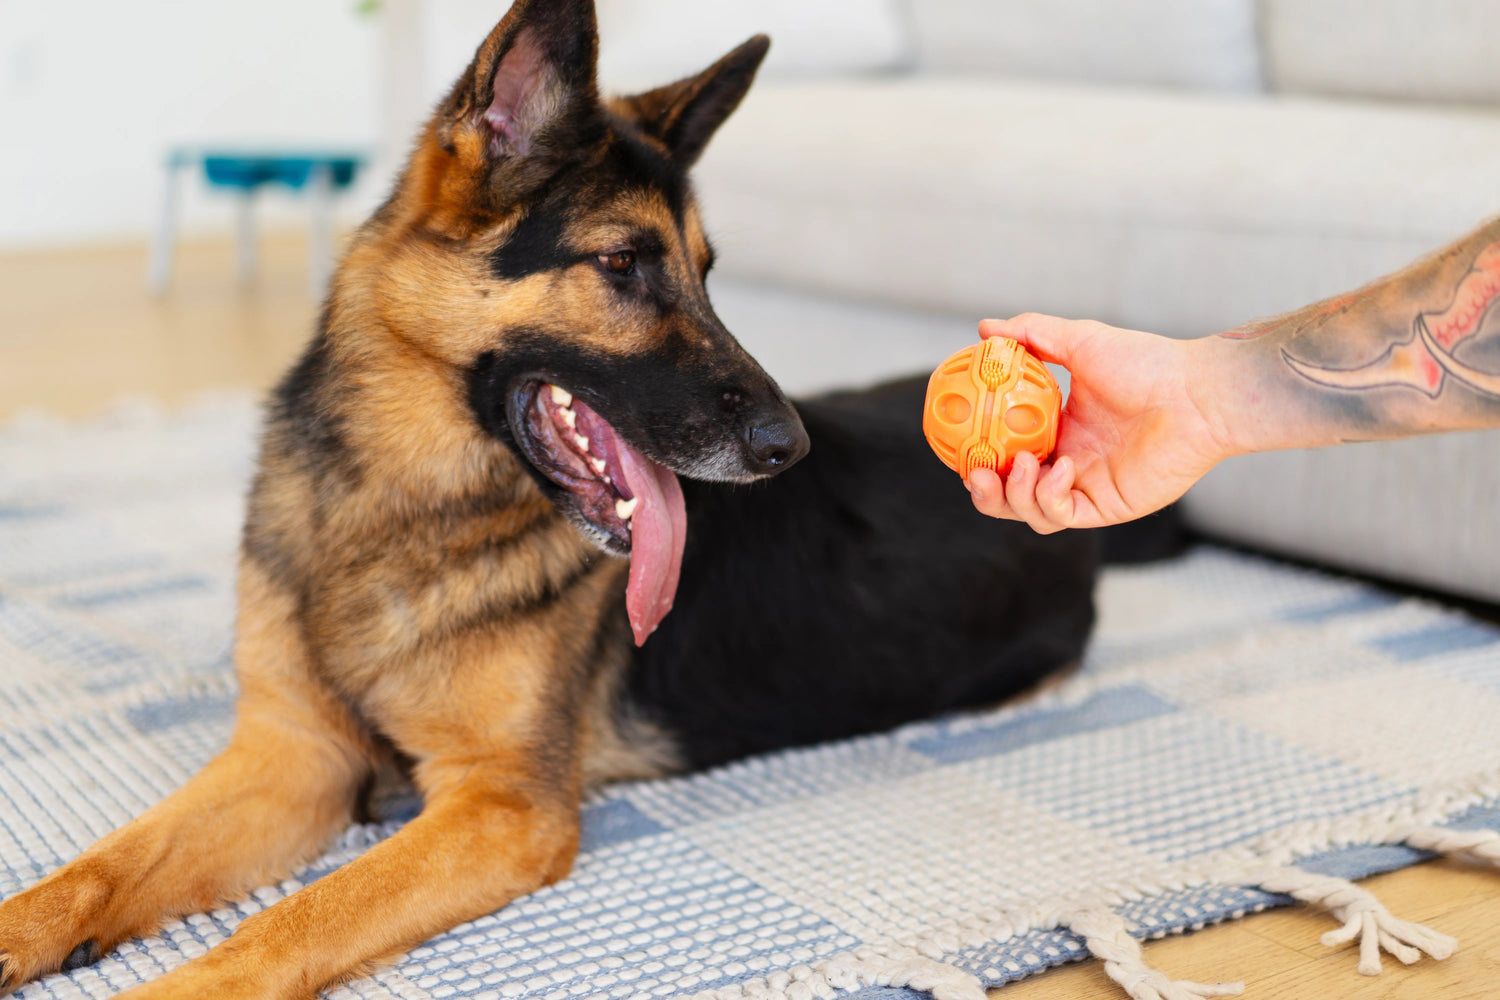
{"x": 635, "y": 504}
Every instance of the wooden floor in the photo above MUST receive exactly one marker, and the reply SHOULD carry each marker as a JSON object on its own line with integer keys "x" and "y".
{"x": 78, "y": 330}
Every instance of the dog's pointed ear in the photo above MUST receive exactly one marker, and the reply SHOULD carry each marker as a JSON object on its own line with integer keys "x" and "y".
{"x": 685, "y": 115}
{"x": 530, "y": 91}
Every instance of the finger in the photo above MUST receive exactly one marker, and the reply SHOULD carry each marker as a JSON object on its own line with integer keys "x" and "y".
{"x": 1054, "y": 493}
{"x": 989, "y": 494}
{"x": 1085, "y": 513}
{"x": 1048, "y": 337}
{"x": 1020, "y": 493}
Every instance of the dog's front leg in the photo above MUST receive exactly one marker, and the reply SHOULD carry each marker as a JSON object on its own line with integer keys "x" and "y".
{"x": 492, "y": 835}
{"x": 283, "y": 786}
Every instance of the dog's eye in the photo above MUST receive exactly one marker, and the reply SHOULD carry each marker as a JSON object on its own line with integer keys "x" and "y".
{"x": 619, "y": 262}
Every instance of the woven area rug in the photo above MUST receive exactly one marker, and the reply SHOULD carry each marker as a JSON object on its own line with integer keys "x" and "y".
{"x": 1243, "y": 733}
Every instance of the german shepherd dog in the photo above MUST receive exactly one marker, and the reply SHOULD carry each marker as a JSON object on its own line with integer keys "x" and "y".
{"x": 516, "y": 363}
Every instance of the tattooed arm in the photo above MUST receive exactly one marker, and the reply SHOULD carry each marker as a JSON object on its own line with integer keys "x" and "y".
{"x": 1413, "y": 353}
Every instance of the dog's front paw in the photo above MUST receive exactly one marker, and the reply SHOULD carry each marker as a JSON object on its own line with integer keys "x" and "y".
{"x": 14, "y": 970}
{"x": 86, "y": 953}
{"x": 45, "y": 930}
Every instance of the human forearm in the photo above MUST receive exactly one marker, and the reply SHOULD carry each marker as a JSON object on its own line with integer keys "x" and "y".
{"x": 1412, "y": 353}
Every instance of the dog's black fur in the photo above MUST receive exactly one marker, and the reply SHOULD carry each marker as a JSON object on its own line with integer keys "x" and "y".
{"x": 855, "y": 591}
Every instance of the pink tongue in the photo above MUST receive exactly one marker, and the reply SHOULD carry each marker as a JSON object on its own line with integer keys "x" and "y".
{"x": 658, "y": 532}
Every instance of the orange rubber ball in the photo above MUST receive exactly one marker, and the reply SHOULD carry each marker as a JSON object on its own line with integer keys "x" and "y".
{"x": 987, "y": 404}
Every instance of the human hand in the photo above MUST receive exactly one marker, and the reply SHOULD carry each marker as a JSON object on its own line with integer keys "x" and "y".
{"x": 1137, "y": 431}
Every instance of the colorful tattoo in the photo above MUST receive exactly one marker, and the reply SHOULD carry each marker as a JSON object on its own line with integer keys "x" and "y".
{"x": 1425, "y": 359}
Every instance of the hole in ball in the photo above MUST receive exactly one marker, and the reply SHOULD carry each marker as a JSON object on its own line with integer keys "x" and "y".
{"x": 1024, "y": 418}
{"x": 953, "y": 408}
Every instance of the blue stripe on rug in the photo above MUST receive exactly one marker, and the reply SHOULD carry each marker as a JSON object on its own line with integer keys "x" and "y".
{"x": 1354, "y": 604}
{"x": 614, "y": 822}
{"x": 168, "y": 586}
{"x": 16, "y": 512}
{"x": 1117, "y": 707}
{"x": 153, "y": 717}
{"x": 1445, "y": 637}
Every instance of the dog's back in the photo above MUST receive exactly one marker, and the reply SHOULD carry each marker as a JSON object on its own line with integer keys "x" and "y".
{"x": 857, "y": 590}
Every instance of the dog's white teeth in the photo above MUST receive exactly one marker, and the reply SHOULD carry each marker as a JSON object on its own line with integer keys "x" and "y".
{"x": 599, "y": 465}
{"x": 561, "y": 396}
{"x": 571, "y": 419}
{"x": 581, "y": 441}
{"x": 625, "y": 508}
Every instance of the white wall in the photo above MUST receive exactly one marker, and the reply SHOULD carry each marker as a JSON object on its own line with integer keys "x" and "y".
{"x": 92, "y": 92}
{"x": 428, "y": 44}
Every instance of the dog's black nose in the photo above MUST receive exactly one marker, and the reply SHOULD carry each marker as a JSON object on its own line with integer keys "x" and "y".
{"x": 776, "y": 443}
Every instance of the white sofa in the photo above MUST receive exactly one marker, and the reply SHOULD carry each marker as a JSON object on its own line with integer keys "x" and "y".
{"x": 1172, "y": 165}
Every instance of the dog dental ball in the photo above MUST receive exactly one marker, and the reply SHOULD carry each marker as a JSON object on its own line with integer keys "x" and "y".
{"x": 987, "y": 404}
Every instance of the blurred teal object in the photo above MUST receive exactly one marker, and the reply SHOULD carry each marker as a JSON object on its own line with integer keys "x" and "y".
{"x": 319, "y": 173}
{"x": 249, "y": 170}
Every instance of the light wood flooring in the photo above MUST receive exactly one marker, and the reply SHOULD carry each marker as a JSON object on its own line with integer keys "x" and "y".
{"x": 77, "y": 330}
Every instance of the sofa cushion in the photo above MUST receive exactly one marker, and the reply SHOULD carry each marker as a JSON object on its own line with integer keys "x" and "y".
{"x": 1422, "y": 510}
{"x": 1192, "y": 43}
{"x": 1177, "y": 212}
{"x": 649, "y": 42}
{"x": 1437, "y": 50}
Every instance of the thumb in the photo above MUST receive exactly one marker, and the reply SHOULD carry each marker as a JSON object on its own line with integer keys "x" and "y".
{"x": 1047, "y": 337}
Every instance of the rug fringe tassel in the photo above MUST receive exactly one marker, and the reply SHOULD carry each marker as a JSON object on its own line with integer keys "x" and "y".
{"x": 1477, "y": 845}
{"x": 1365, "y": 918}
{"x": 1108, "y": 939}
